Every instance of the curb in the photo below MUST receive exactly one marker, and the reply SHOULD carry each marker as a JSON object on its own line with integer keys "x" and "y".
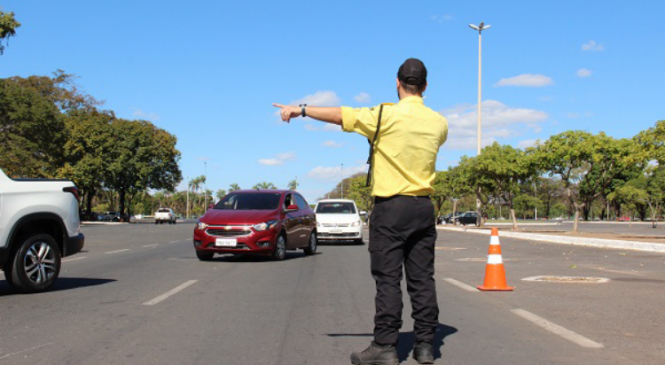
{"x": 103, "y": 223}
{"x": 577, "y": 241}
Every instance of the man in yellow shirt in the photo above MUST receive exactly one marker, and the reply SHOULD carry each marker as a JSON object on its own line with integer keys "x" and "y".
{"x": 402, "y": 228}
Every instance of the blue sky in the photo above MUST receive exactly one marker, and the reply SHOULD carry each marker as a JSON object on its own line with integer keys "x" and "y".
{"x": 208, "y": 71}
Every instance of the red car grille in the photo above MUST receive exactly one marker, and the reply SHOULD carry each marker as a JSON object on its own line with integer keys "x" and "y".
{"x": 228, "y": 232}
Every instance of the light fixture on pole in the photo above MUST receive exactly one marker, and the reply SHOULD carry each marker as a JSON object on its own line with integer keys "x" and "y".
{"x": 480, "y": 29}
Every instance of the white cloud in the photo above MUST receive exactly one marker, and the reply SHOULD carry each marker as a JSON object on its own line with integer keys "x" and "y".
{"x": 278, "y": 160}
{"x": 363, "y": 98}
{"x": 286, "y": 156}
{"x": 441, "y": 18}
{"x": 332, "y": 144}
{"x": 583, "y": 72}
{"x": 498, "y": 121}
{"x": 528, "y": 143}
{"x": 573, "y": 115}
{"x": 334, "y": 173}
{"x": 592, "y": 46}
{"x": 527, "y": 80}
{"x": 311, "y": 128}
{"x": 271, "y": 162}
{"x": 319, "y": 98}
{"x": 140, "y": 114}
{"x": 332, "y": 127}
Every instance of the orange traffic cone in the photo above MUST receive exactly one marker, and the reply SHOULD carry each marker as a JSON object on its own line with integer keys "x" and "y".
{"x": 495, "y": 274}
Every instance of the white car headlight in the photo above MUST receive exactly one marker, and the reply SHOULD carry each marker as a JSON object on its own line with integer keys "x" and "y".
{"x": 201, "y": 225}
{"x": 355, "y": 224}
{"x": 264, "y": 226}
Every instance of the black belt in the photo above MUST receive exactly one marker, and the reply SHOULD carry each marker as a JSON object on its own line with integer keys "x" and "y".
{"x": 380, "y": 199}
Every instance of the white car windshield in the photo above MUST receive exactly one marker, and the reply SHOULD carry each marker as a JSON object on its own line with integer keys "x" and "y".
{"x": 335, "y": 208}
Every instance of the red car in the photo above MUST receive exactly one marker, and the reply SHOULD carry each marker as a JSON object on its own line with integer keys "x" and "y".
{"x": 260, "y": 222}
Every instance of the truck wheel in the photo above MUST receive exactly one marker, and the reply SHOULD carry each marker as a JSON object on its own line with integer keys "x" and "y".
{"x": 35, "y": 265}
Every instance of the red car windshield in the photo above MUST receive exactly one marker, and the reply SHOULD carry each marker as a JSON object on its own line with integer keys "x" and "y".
{"x": 250, "y": 201}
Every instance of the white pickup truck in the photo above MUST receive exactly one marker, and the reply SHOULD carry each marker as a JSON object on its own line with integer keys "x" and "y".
{"x": 39, "y": 224}
{"x": 165, "y": 215}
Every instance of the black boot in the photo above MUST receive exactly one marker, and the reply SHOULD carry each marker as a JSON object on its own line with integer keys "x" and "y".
{"x": 376, "y": 355}
{"x": 422, "y": 352}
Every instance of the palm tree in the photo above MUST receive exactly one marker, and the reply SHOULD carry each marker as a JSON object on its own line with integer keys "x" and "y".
{"x": 221, "y": 193}
{"x": 264, "y": 185}
{"x": 234, "y": 187}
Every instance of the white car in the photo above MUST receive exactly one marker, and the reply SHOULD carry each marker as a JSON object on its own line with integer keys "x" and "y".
{"x": 39, "y": 225}
{"x": 165, "y": 215}
{"x": 338, "y": 219}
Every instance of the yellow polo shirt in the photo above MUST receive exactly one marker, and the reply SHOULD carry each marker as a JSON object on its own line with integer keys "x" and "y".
{"x": 406, "y": 148}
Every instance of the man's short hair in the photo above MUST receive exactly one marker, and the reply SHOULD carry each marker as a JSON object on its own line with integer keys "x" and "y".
{"x": 413, "y": 89}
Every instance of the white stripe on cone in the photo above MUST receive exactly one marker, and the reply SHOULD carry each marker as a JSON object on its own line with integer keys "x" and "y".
{"x": 494, "y": 240}
{"x": 494, "y": 259}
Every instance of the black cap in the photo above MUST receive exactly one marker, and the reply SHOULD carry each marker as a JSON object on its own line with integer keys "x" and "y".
{"x": 412, "y": 72}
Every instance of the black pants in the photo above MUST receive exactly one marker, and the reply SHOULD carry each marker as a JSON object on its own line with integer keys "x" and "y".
{"x": 403, "y": 233}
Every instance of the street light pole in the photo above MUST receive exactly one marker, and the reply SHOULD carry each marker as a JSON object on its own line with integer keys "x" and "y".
{"x": 187, "y": 197}
{"x": 480, "y": 29}
{"x": 342, "y": 181}
{"x": 205, "y": 185}
{"x": 480, "y": 72}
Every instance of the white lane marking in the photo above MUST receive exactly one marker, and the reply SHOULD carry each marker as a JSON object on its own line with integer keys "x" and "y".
{"x": 26, "y": 350}
{"x": 461, "y": 285}
{"x": 557, "y": 330}
{"x": 74, "y": 259}
{"x": 170, "y": 293}
{"x": 110, "y": 252}
{"x": 153, "y": 245}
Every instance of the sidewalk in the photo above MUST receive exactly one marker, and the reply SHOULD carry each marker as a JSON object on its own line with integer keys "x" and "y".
{"x": 579, "y": 241}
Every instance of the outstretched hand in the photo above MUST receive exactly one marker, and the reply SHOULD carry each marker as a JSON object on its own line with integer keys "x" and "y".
{"x": 288, "y": 111}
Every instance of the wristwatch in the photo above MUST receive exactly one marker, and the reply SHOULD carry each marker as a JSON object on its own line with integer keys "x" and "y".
{"x": 303, "y": 111}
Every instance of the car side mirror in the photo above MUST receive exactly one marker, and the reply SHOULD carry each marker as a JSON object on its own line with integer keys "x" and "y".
{"x": 291, "y": 208}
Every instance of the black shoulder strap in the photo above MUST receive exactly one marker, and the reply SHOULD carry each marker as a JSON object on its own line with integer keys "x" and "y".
{"x": 371, "y": 148}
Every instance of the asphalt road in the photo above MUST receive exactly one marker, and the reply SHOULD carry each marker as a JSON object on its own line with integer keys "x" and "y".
{"x": 138, "y": 295}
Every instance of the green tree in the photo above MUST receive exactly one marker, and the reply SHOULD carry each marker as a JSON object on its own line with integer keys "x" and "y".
{"x": 655, "y": 189}
{"x": 8, "y": 25}
{"x": 264, "y": 185}
{"x": 143, "y": 157}
{"x": 498, "y": 171}
{"x": 653, "y": 142}
{"x": 629, "y": 196}
{"x": 361, "y": 194}
{"x": 293, "y": 184}
{"x": 221, "y": 193}
{"x": 234, "y": 187}
{"x": 569, "y": 155}
{"x": 32, "y": 132}
{"x": 89, "y": 141}
{"x": 611, "y": 163}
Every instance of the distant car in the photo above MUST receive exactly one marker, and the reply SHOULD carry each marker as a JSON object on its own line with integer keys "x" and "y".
{"x": 445, "y": 219}
{"x": 338, "y": 219}
{"x": 467, "y": 218}
{"x": 625, "y": 218}
{"x": 258, "y": 222}
{"x": 165, "y": 215}
{"x": 111, "y": 216}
